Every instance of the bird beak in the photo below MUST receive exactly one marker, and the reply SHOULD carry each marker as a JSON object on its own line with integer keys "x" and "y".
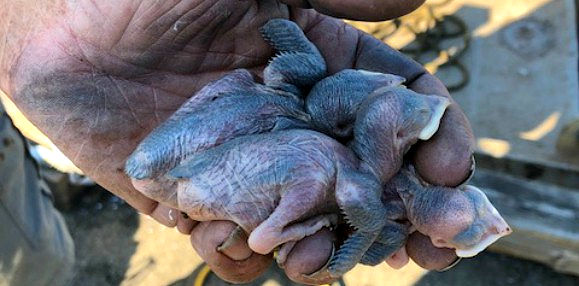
{"x": 437, "y": 105}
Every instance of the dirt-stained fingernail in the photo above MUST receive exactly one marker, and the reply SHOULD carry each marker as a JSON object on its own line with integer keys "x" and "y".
{"x": 308, "y": 260}
{"x": 185, "y": 225}
{"x": 208, "y": 235}
{"x": 235, "y": 246}
{"x": 165, "y": 215}
{"x": 471, "y": 171}
{"x": 323, "y": 271}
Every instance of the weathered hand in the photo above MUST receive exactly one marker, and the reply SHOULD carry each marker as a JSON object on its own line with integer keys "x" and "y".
{"x": 97, "y": 77}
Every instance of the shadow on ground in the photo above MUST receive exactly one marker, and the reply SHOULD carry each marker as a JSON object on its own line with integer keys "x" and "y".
{"x": 273, "y": 276}
{"x": 496, "y": 269}
{"x": 102, "y": 227}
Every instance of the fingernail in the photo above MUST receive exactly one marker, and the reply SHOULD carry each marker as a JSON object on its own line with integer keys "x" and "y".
{"x": 165, "y": 216}
{"x": 323, "y": 272}
{"x": 471, "y": 171}
{"x": 453, "y": 264}
{"x": 237, "y": 253}
{"x": 235, "y": 247}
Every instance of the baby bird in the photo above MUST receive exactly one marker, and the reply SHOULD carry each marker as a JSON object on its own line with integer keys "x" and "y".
{"x": 238, "y": 150}
{"x": 232, "y": 106}
{"x": 283, "y": 186}
{"x": 459, "y": 218}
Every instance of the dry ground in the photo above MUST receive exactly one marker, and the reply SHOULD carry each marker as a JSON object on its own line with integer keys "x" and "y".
{"x": 117, "y": 246}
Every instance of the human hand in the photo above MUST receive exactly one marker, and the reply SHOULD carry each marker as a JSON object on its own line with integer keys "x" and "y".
{"x": 98, "y": 77}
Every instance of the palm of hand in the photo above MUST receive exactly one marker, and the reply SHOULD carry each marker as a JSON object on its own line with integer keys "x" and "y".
{"x": 100, "y": 77}
{"x": 112, "y": 72}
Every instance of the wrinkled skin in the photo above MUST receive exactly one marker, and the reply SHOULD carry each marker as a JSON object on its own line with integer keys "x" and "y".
{"x": 298, "y": 64}
{"x": 233, "y": 188}
{"x": 358, "y": 105}
{"x": 381, "y": 139}
{"x": 459, "y": 218}
{"x": 281, "y": 187}
{"x": 334, "y": 101}
{"x": 227, "y": 108}
{"x": 230, "y": 107}
{"x": 236, "y": 105}
{"x": 97, "y": 77}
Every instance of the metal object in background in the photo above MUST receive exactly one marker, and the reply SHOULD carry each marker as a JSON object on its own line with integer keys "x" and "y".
{"x": 431, "y": 32}
{"x": 529, "y": 37}
{"x": 568, "y": 141}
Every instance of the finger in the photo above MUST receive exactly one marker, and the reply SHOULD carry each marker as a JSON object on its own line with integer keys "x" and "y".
{"x": 297, "y": 3}
{"x": 365, "y": 10}
{"x": 355, "y": 48}
{"x": 399, "y": 259}
{"x": 159, "y": 189}
{"x": 165, "y": 215}
{"x": 310, "y": 255}
{"x": 447, "y": 158}
{"x": 185, "y": 224}
{"x": 426, "y": 255}
{"x": 123, "y": 188}
{"x": 238, "y": 264}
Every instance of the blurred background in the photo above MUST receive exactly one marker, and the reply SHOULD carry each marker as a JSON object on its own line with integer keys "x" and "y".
{"x": 511, "y": 65}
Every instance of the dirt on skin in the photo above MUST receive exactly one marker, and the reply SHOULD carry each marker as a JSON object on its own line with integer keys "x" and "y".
{"x": 117, "y": 246}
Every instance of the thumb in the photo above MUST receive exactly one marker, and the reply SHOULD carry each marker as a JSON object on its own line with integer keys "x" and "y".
{"x": 364, "y": 10}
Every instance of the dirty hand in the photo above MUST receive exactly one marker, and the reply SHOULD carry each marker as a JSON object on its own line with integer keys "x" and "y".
{"x": 97, "y": 77}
